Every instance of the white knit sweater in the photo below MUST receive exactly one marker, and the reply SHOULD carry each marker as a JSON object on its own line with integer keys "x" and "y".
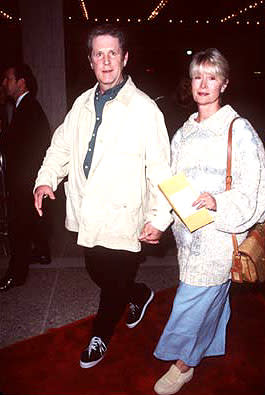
{"x": 200, "y": 151}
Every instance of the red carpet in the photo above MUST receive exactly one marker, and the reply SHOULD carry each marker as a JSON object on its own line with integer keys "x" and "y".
{"x": 49, "y": 364}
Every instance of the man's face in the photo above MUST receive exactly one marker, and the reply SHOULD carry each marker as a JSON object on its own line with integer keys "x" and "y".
{"x": 11, "y": 84}
{"x": 107, "y": 61}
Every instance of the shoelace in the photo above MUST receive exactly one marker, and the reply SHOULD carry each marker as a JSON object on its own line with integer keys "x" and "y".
{"x": 133, "y": 308}
{"x": 95, "y": 343}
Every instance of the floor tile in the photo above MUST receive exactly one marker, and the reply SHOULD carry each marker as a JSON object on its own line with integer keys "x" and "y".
{"x": 23, "y": 309}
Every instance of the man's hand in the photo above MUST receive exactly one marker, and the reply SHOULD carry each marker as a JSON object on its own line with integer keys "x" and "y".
{"x": 40, "y": 193}
{"x": 150, "y": 235}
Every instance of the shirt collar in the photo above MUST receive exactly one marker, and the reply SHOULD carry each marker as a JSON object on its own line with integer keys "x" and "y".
{"x": 20, "y": 98}
{"x": 112, "y": 92}
{"x": 216, "y": 123}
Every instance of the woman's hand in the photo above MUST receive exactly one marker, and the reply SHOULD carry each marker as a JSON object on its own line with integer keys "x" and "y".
{"x": 205, "y": 200}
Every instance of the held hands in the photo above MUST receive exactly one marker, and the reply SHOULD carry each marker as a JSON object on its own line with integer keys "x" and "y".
{"x": 150, "y": 234}
{"x": 42, "y": 192}
{"x": 205, "y": 200}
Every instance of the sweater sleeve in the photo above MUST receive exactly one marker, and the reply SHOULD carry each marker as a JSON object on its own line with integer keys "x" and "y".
{"x": 244, "y": 205}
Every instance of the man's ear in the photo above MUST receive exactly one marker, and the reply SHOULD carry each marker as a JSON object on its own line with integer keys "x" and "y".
{"x": 125, "y": 60}
{"x": 21, "y": 83}
{"x": 90, "y": 62}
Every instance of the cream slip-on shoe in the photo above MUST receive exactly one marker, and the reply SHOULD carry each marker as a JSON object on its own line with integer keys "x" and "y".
{"x": 172, "y": 381}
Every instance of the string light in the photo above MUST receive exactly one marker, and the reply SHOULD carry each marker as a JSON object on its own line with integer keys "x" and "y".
{"x": 242, "y": 11}
{"x": 163, "y": 3}
{"x": 83, "y": 8}
{"x": 229, "y": 18}
{"x": 5, "y": 15}
{"x": 157, "y": 10}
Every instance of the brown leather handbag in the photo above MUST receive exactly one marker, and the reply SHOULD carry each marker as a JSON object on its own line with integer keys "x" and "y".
{"x": 248, "y": 262}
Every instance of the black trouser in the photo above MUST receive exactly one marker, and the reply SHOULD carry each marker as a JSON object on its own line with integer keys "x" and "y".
{"x": 25, "y": 228}
{"x": 114, "y": 273}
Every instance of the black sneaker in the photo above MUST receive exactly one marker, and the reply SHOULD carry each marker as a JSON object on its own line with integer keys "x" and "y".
{"x": 136, "y": 311}
{"x": 94, "y": 353}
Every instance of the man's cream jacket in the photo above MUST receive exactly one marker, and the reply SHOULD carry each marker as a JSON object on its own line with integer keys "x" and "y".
{"x": 131, "y": 157}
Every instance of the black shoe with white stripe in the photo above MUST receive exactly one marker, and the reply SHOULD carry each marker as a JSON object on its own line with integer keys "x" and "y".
{"x": 93, "y": 353}
{"x": 137, "y": 310}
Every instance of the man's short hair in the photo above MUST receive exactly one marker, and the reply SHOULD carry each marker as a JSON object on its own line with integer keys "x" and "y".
{"x": 110, "y": 30}
{"x": 23, "y": 70}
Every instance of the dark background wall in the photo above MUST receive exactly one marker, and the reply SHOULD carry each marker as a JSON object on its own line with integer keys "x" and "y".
{"x": 10, "y": 43}
{"x": 158, "y": 59}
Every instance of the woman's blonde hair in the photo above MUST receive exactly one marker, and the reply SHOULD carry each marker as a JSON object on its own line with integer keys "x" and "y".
{"x": 210, "y": 59}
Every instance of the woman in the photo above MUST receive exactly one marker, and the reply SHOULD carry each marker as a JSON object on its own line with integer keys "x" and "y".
{"x": 197, "y": 325}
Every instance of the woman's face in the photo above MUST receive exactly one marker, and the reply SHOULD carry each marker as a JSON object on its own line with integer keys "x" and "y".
{"x": 207, "y": 86}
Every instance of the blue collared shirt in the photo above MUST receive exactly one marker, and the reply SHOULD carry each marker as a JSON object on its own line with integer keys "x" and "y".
{"x": 99, "y": 102}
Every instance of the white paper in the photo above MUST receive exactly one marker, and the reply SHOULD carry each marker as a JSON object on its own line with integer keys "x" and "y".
{"x": 183, "y": 200}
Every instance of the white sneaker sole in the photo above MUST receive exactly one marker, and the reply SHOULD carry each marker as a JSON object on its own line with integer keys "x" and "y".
{"x": 151, "y": 297}
{"x": 86, "y": 365}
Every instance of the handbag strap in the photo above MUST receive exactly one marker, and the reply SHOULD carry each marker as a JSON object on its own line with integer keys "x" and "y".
{"x": 229, "y": 174}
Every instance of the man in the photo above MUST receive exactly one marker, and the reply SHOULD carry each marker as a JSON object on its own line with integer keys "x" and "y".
{"x": 114, "y": 148}
{"x": 3, "y": 112}
{"x": 23, "y": 146}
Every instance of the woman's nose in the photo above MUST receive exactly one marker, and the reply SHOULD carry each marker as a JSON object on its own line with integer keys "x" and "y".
{"x": 203, "y": 82}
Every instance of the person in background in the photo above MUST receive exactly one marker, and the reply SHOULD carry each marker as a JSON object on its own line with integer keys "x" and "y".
{"x": 3, "y": 114}
{"x": 177, "y": 106}
{"x": 197, "y": 324}
{"x": 6, "y": 110}
{"x": 114, "y": 148}
{"x": 3, "y": 193}
{"x": 23, "y": 145}
{"x": 184, "y": 101}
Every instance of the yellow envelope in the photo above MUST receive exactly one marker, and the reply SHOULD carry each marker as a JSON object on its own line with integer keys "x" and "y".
{"x": 180, "y": 194}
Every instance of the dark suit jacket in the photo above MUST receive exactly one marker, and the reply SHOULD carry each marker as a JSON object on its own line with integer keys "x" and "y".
{"x": 24, "y": 146}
